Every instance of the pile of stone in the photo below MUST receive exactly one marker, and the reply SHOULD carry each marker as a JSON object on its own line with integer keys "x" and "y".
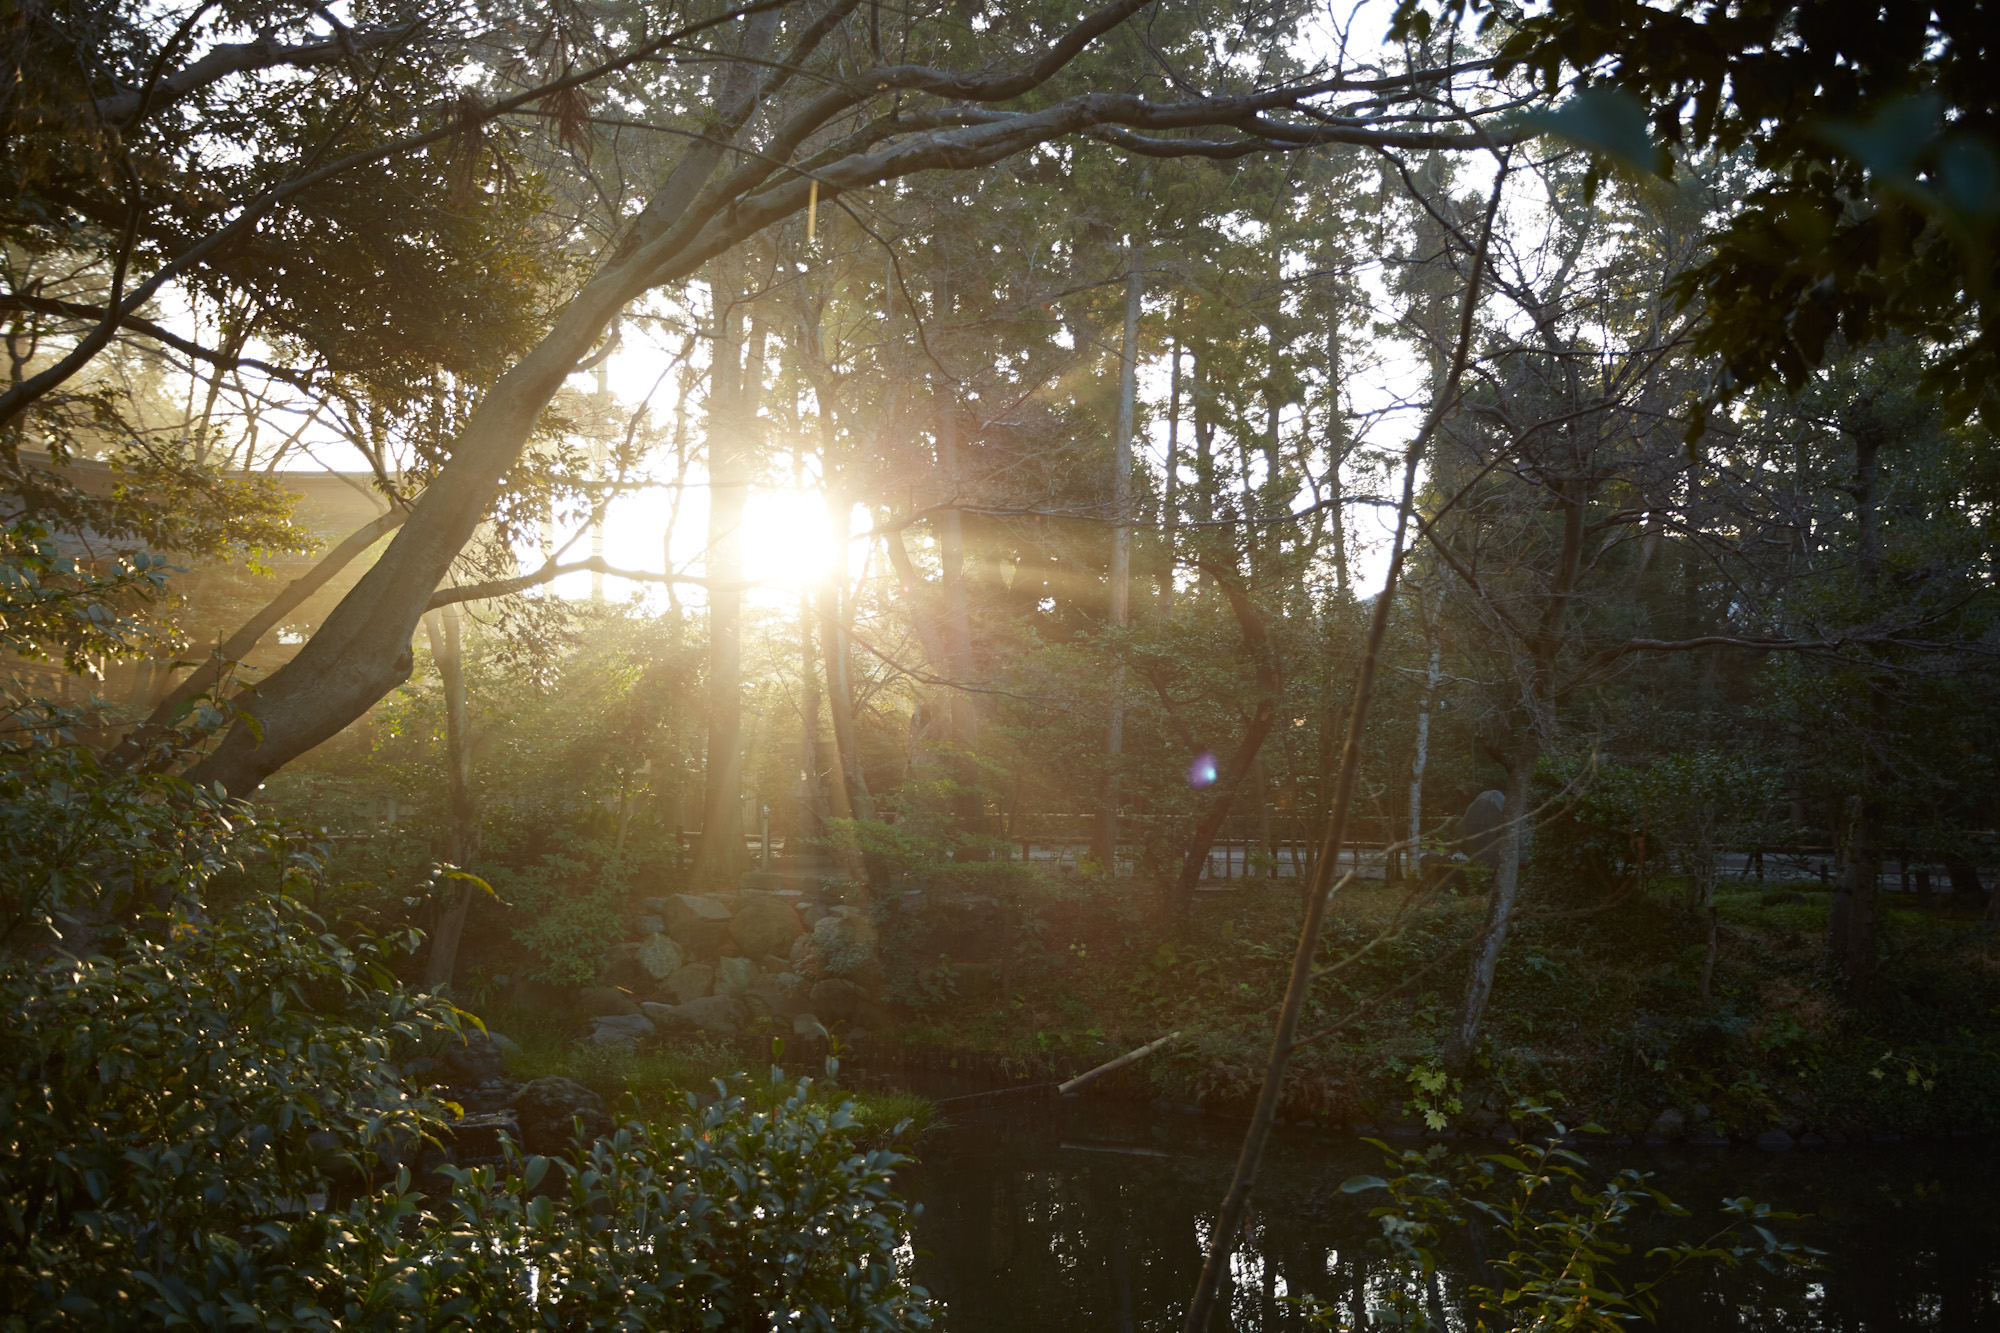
{"x": 714, "y": 963}
{"x": 542, "y": 1115}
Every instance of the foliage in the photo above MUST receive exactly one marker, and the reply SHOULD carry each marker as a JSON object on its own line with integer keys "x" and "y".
{"x": 172, "y": 1099}
{"x": 197, "y": 1103}
{"x": 563, "y": 909}
{"x": 79, "y": 845}
{"x": 1562, "y": 1233}
{"x": 1596, "y": 829}
{"x": 1873, "y": 132}
{"x": 56, "y": 608}
{"x": 745, "y": 1216}
{"x": 1704, "y": 802}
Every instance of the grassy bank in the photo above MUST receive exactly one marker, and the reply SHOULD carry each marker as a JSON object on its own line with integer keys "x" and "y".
{"x": 1601, "y": 1012}
{"x": 653, "y": 1082}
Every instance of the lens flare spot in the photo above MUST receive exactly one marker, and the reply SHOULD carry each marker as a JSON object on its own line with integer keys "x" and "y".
{"x": 1203, "y": 772}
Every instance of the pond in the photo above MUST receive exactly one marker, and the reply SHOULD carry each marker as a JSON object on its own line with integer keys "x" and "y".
{"x": 1092, "y": 1215}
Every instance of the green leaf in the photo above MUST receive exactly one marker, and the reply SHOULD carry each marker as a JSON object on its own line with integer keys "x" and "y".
{"x": 1359, "y": 1184}
{"x": 1890, "y": 144}
{"x": 1603, "y": 121}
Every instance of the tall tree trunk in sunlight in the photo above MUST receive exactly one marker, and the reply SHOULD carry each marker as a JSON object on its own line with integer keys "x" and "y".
{"x": 1171, "y": 501}
{"x": 732, "y": 405}
{"x": 967, "y": 802}
{"x": 1535, "y": 667}
{"x": 442, "y": 626}
{"x": 1104, "y": 848}
{"x": 810, "y": 825}
{"x": 836, "y": 621}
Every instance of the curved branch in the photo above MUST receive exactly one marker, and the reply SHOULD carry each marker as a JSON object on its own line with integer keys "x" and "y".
{"x": 479, "y": 592}
{"x": 221, "y": 360}
{"x": 266, "y": 52}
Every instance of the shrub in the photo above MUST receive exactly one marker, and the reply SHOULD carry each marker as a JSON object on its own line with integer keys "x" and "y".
{"x": 198, "y": 1106}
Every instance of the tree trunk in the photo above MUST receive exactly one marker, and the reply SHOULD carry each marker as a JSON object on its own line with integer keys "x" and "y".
{"x": 967, "y": 804}
{"x": 810, "y": 824}
{"x": 1105, "y": 847}
{"x": 362, "y": 651}
{"x": 1851, "y": 921}
{"x": 238, "y": 645}
{"x": 835, "y": 617}
{"x": 1421, "y": 758}
{"x": 1237, "y": 769}
{"x": 1171, "y": 501}
{"x": 442, "y": 626}
{"x": 1464, "y": 1037}
{"x": 734, "y": 395}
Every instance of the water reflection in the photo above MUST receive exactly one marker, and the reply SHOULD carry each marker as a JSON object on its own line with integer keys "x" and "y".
{"x": 1086, "y": 1217}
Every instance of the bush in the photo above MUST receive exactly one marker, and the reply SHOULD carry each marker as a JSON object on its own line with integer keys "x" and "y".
{"x": 1595, "y": 831}
{"x": 198, "y": 1106}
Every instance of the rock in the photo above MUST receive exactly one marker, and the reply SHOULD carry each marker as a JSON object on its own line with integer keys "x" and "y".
{"x": 655, "y": 906}
{"x": 1775, "y": 1140}
{"x": 845, "y": 945}
{"x": 836, "y": 1000}
{"x": 474, "y": 1058}
{"x": 759, "y": 881}
{"x": 547, "y": 1109}
{"x": 766, "y": 997}
{"x": 845, "y": 941}
{"x": 691, "y": 982}
{"x": 661, "y": 957}
{"x": 1811, "y": 1140}
{"x": 1708, "y": 1138}
{"x": 1669, "y": 1125}
{"x": 649, "y": 923}
{"x": 733, "y": 976}
{"x": 1482, "y": 1120}
{"x": 700, "y": 923}
{"x": 604, "y": 1002}
{"x": 1479, "y": 827}
{"x": 807, "y": 1027}
{"x": 474, "y": 1139}
{"x": 804, "y": 957}
{"x": 620, "y": 969}
{"x": 621, "y": 1028}
{"x": 765, "y": 925}
{"x": 773, "y": 965}
{"x": 714, "y": 1013}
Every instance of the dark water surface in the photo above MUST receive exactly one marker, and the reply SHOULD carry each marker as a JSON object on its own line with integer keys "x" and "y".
{"x": 1084, "y": 1215}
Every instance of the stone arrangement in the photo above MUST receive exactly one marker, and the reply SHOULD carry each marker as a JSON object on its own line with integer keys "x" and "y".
{"x": 713, "y": 963}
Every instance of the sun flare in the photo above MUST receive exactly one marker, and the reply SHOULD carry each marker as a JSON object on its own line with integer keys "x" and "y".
{"x": 787, "y": 540}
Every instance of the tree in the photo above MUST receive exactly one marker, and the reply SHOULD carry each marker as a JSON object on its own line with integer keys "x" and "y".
{"x": 809, "y": 140}
{"x": 1873, "y": 129}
